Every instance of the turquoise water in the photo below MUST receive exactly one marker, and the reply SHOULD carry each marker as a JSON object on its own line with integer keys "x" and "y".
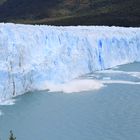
{"x": 110, "y": 113}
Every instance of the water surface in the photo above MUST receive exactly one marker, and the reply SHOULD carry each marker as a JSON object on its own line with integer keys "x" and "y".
{"x": 110, "y": 113}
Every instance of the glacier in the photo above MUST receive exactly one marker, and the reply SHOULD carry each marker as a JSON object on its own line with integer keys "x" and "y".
{"x": 30, "y": 55}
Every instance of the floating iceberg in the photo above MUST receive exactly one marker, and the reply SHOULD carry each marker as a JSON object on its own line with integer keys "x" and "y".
{"x": 31, "y": 55}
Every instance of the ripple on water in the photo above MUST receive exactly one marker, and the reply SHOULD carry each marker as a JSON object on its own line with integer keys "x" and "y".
{"x": 1, "y": 113}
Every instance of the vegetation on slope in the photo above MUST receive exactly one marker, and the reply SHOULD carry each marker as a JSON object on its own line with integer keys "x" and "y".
{"x": 12, "y": 137}
{"x": 71, "y": 12}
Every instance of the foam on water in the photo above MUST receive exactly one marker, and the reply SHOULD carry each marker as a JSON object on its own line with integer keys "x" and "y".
{"x": 90, "y": 82}
{"x": 120, "y": 82}
{"x": 78, "y": 85}
{"x": 8, "y": 102}
{"x": 106, "y": 78}
{"x": 134, "y": 74}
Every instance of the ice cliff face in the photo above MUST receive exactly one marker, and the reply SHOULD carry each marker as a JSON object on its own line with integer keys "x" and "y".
{"x": 31, "y": 55}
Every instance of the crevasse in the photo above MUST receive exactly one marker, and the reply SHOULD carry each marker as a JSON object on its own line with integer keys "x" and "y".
{"x": 31, "y": 55}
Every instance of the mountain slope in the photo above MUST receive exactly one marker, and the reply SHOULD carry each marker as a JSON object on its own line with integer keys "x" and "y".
{"x": 71, "y": 12}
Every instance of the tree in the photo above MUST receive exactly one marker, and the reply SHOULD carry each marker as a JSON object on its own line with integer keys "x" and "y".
{"x": 91, "y": 2}
{"x": 77, "y": 3}
{"x": 12, "y": 137}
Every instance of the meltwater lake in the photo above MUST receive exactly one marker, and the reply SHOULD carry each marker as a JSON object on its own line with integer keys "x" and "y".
{"x": 110, "y": 113}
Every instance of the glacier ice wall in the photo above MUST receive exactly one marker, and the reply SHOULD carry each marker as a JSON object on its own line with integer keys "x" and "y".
{"x": 30, "y": 55}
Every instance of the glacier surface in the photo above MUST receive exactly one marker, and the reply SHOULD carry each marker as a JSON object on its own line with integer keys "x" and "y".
{"x": 31, "y": 55}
